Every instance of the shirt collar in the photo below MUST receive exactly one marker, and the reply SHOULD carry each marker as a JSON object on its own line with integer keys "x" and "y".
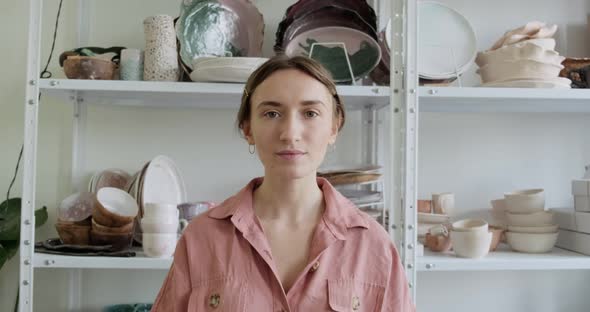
{"x": 340, "y": 213}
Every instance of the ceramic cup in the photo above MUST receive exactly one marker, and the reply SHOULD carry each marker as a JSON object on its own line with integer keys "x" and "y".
{"x": 443, "y": 203}
{"x": 160, "y": 210}
{"x": 159, "y": 245}
{"x": 470, "y": 225}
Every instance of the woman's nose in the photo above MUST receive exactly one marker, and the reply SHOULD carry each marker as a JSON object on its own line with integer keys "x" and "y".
{"x": 291, "y": 128}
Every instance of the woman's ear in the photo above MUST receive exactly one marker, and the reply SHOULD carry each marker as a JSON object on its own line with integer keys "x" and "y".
{"x": 247, "y": 131}
{"x": 334, "y": 133}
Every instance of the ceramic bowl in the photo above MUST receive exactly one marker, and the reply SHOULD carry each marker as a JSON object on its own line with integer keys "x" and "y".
{"x": 89, "y": 67}
{"x": 519, "y": 51}
{"x": 159, "y": 245}
{"x": 497, "y": 233}
{"x": 77, "y": 207}
{"x": 115, "y": 207}
{"x": 118, "y": 241}
{"x": 518, "y": 69}
{"x": 546, "y": 228}
{"x": 499, "y": 211}
{"x": 470, "y": 225}
{"x": 127, "y": 228}
{"x": 73, "y": 234}
{"x": 532, "y": 242}
{"x": 471, "y": 244}
{"x": 190, "y": 210}
{"x": 530, "y": 219}
{"x": 151, "y": 225}
{"x": 160, "y": 211}
{"x": 525, "y": 201}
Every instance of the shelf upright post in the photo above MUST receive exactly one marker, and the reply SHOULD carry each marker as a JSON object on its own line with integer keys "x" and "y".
{"x": 75, "y": 276}
{"x": 27, "y": 226}
{"x": 404, "y": 111}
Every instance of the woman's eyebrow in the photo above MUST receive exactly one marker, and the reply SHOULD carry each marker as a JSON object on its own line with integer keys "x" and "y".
{"x": 278, "y": 104}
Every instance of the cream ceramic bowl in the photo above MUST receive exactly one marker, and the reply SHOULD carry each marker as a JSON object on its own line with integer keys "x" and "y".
{"x": 518, "y": 69}
{"x": 471, "y": 244}
{"x": 547, "y": 228}
{"x": 470, "y": 225}
{"x": 519, "y": 51}
{"x": 532, "y": 242}
{"x": 530, "y": 219}
{"x": 159, "y": 211}
{"x": 158, "y": 245}
{"x": 525, "y": 201}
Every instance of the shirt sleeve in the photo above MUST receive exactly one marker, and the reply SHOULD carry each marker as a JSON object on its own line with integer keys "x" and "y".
{"x": 175, "y": 292}
{"x": 397, "y": 294}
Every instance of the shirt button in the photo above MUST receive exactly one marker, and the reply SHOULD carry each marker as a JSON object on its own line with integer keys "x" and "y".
{"x": 315, "y": 266}
{"x": 356, "y": 304}
{"x": 214, "y": 300}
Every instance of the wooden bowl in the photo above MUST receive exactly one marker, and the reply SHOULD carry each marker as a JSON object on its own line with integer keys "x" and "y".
{"x": 576, "y": 69}
{"x": 118, "y": 241}
{"x": 73, "y": 234}
{"x": 88, "y": 67}
{"x": 127, "y": 228}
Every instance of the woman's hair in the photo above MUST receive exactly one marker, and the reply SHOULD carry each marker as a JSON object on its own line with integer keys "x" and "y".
{"x": 282, "y": 62}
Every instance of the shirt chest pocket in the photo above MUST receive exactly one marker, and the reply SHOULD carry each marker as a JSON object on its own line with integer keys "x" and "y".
{"x": 222, "y": 294}
{"x": 354, "y": 296}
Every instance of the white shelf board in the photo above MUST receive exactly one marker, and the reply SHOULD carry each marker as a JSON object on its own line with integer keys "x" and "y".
{"x": 503, "y": 259}
{"x": 186, "y": 94}
{"x": 473, "y": 99}
{"x": 140, "y": 261}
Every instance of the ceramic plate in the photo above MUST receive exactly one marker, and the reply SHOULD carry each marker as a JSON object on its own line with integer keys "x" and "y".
{"x": 363, "y": 51}
{"x": 552, "y": 83}
{"x": 362, "y": 197}
{"x": 225, "y": 69}
{"x": 162, "y": 183}
{"x": 433, "y": 218}
{"x": 219, "y": 28}
{"x": 446, "y": 41}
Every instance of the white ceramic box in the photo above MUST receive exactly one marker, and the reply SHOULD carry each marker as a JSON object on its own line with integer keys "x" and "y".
{"x": 574, "y": 241}
{"x": 581, "y": 188}
{"x": 565, "y": 218}
{"x": 582, "y": 203}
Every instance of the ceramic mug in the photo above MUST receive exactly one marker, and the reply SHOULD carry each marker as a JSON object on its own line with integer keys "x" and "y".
{"x": 443, "y": 203}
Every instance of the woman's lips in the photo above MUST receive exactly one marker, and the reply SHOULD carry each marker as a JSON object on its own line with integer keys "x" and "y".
{"x": 290, "y": 154}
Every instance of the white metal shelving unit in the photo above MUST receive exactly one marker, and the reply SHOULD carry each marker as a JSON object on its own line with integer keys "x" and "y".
{"x": 402, "y": 102}
{"x": 370, "y": 100}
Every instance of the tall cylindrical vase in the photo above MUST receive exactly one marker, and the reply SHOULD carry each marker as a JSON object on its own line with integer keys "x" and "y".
{"x": 131, "y": 65}
{"x": 160, "y": 57}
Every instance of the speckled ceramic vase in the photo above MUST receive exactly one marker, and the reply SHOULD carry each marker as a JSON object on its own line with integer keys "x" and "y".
{"x": 160, "y": 58}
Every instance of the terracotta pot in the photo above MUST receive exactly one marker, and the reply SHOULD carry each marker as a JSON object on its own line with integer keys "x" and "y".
{"x": 88, "y": 67}
{"x": 438, "y": 243}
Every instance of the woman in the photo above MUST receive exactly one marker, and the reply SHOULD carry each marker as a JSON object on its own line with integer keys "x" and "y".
{"x": 288, "y": 241}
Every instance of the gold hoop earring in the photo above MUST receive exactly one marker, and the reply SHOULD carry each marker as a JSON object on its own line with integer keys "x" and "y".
{"x": 252, "y": 149}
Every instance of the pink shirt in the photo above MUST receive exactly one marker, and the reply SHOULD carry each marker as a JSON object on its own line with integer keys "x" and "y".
{"x": 223, "y": 262}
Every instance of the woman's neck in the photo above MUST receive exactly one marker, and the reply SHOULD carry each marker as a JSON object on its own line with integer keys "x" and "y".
{"x": 290, "y": 200}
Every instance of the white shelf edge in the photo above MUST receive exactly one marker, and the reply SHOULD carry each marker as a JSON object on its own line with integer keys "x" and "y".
{"x": 503, "y": 259}
{"x": 480, "y": 99}
{"x": 51, "y": 261}
{"x": 193, "y": 94}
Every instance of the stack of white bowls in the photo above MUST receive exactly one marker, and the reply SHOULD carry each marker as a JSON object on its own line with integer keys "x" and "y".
{"x": 471, "y": 238}
{"x": 160, "y": 229}
{"x": 530, "y": 228}
{"x": 523, "y": 57}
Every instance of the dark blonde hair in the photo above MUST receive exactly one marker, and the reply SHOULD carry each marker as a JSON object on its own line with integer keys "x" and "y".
{"x": 282, "y": 62}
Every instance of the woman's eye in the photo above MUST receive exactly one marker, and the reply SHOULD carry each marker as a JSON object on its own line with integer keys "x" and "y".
{"x": 271, "y": 114}
{"x": 311, "y": 114}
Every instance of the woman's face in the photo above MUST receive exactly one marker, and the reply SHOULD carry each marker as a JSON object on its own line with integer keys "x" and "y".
{"x": 291, "y": 123}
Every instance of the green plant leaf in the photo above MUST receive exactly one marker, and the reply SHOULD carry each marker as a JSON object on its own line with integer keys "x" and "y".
{"x": 41, "y": 216}
{"x": 3, "y": 256}
{"x": 10, "y": 208}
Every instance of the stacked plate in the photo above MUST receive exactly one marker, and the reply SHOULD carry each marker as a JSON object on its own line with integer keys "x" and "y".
{"x": 341, "y": 176}
{"x": 524, "y": 57}
{"x": 446, "y": 42}
{"x": 233, "y": 28}
{"x": 331, "y": 32}
{"x": 159, "y": 181}
{"x": 224, "y": 69}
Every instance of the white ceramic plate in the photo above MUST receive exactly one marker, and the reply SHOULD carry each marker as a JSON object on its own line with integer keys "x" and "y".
{"x": 433, "y": 218}
{"x": 212, "y": 61}
{"x": 446, "y": 41}
{"x": 162, "y": 183}
{"x": 361, "y": 197}
{"x": 552, "y": 83}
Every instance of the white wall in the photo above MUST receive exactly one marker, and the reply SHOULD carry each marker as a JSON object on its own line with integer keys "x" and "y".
{"x": 476, "y": 156}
